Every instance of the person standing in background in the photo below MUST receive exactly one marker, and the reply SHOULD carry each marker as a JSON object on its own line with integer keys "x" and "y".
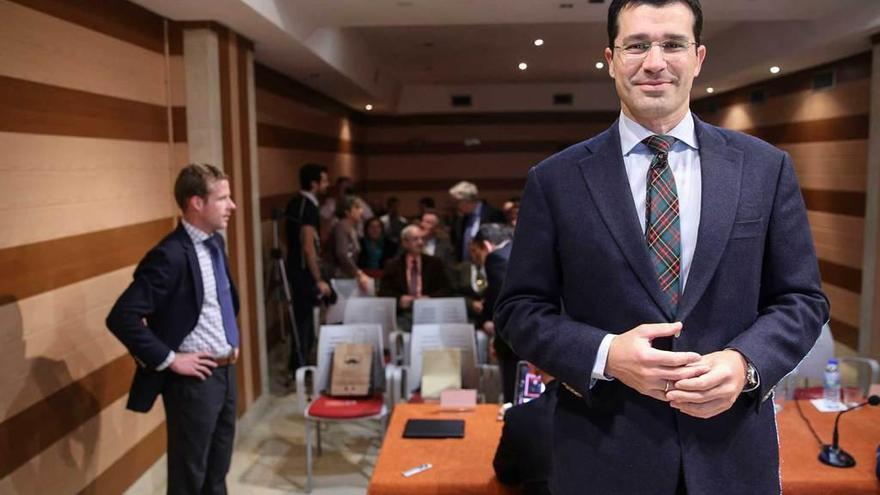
{"x": 303, "y": 257}
{"x": 471, "y": 212}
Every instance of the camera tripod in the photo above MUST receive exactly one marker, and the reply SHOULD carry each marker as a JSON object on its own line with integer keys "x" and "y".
{"x": 278, "y": 290}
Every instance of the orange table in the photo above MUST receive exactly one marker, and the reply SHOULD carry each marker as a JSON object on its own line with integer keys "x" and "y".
{"x": 803, "y": 474}
{"x": 463, "y": 466}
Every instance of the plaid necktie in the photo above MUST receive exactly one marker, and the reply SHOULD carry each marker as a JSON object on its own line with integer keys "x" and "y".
{"x": 224, "y": 289}
{"x": 662, "y": 226}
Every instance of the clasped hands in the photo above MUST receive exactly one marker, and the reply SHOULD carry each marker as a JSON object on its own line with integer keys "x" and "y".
{"x": 702, "y": 386}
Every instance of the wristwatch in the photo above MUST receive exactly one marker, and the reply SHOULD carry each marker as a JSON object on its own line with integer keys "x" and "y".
{"x": 752, "y": 379}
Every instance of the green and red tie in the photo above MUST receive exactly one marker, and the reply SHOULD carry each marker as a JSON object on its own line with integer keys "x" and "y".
{"x": 662, "y": 224}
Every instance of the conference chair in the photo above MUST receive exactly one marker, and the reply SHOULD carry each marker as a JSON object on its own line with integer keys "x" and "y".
{"x": 808, "y": 375}
{"x": 379, "y": 310}
{"x": 345, "y": 288}
{"x": 439, "y": 310}
{"x": 455, "y": 335}
{"x": 386, "y": 384}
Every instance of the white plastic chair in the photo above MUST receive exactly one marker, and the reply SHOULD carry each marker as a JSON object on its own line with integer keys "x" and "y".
{"x": 456, "y": 335}
{"x": 379, "y": 310}
{"x": 385, "y": 379}
{"x": 345, "y": 288}
{"x": 439, "y": 310}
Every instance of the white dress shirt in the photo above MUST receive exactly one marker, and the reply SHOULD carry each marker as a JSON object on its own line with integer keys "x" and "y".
{"x": 684, "y": 161}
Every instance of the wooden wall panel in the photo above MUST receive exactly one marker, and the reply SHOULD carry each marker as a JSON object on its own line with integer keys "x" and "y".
{"x": 835, "y": 166}
{"x": 87, "y": 60}
{"x": 843, "y": 100}
{"x": 279, "y": 168}
{"x": 55, "y": 186}
{"x": 838, "y": 238}
{"x": 71, "y": 463}
{"x": 72, "y": 334}
{"x": 283, "y": 112}
{"x": 844, "y": 304}
{"x": 569, "y": 132}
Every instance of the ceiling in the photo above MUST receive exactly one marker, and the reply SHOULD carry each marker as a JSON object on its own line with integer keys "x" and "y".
{"x": 410, "y": 56}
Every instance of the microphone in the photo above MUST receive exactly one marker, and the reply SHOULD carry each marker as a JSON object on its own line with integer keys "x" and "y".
{"x": 833, "y": 455}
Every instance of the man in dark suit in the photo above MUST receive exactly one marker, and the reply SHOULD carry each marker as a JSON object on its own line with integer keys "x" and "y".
{"x": 413, "y": 275}
{"x": 437, "y": 241}
{"x": 493, "y": 252}
{"x": 472, "y": 212}
{"x": 177, "y": 318}
{"x": 303, "y": 258}
{"x": 663, "y": 226}
{"x": 524, "y": 451}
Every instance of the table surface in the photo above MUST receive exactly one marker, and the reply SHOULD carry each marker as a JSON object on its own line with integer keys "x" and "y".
{"x": 463, "y": 466}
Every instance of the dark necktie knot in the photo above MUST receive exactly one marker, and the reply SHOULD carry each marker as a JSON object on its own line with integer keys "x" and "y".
{"x": 659, "y": 143}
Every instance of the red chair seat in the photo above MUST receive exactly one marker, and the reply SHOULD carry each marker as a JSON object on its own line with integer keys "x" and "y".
{"x": 345, "y": 408}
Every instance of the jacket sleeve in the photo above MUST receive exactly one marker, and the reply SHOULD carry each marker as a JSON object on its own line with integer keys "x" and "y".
{"x": 495, "y": 267}
{"x": 528, "y": 314}
{"x": 506, "y": 461}
{"x": 154, "y": 280}
{"x": 793, "y": 307}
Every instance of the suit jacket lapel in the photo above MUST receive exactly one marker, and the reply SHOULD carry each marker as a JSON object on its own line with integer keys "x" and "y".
{"x": 721, "y": 172}
{"x": 605, "y": 175}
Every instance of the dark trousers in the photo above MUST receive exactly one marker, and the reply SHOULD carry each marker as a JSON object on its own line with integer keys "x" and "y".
{"x": 302, "y": 292}
{"x": 200, "y": 417}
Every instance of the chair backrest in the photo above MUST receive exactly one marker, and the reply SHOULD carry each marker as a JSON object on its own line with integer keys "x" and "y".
{"x": 439, "y": 310}
{"x": 346, "y": 288}
{"x": 435, "y": 335}
{"x": 381, "y": 310}
{"x": 812, "y": 367}
{"x": 333, "y": 335}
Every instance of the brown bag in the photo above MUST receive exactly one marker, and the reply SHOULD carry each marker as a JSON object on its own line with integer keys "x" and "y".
{"x": 351, "y": 371}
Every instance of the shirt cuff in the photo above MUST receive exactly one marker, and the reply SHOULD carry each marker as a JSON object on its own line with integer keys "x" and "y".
{"x": 602, "y": 358}
{"x": 167, "y": 362}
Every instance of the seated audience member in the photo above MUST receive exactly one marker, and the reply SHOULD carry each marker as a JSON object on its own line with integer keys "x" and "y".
{"x": 510, "y": 208}
{"x": 392, "y": 220}
{"x": 472, "y": 212}
{"x": 344, "y": 246}
{"x": 376, "y": 249}
{"x": 437, "y": 241}
{"x": 492, "y": 250}
{"x": 412, "y": 275}
{"x": 524, "y": 452}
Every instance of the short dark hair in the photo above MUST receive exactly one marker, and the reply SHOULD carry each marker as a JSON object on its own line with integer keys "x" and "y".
{"x": 310, "y": 172}
{"x": 427, "y": 202}
{"x": 618, "y": 5}
{"x": 194, "y": 180}
{"x": 495, "y": 233}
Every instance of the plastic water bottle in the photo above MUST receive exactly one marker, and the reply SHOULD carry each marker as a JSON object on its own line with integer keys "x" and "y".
{"x": 831, "y": 384}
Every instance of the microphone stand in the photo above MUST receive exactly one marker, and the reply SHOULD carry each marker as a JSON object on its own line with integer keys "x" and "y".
{"x": 833, "y": 455}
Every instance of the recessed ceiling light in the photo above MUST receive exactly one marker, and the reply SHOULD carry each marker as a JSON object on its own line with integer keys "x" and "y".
{"x": 775, "y": 69}
{"x": 539, "y": 42}
{"x": 368, "y": 107}
{"x": 523, "y": 66}
{"x": 710, "y": 90}
{"x": 600, "y": 65}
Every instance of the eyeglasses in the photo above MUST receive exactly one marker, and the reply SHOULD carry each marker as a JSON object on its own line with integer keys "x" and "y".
{"x": 640, "y": 49}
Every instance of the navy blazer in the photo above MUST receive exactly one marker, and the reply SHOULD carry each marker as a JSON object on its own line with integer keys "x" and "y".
{"x": 167, "y": 292}
{"x": 753, "y": 286}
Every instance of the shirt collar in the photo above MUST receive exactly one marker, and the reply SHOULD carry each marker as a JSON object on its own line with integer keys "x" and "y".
{"x": 311, "y": 197}
{"x": 196, "y": 234}
{"x": 632, "y": 133}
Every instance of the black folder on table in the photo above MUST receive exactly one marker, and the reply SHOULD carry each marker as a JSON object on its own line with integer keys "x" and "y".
{"x": 434, "y": 428}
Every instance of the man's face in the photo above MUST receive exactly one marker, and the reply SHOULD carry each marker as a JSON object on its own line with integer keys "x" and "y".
{"x": 213, "y": 212}
{"x": 465, "y": 206}
{"x": 429, "y": 224}
{"x": 655, "y": 85}
{"x": 414, "y": 241}
{"x": 323, "y": 184}
{"x": 479, "y": 251}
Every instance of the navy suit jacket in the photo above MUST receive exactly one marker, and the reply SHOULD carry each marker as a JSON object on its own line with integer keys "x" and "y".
{"x": 167, "y": 293}
{"x": 488, "y": 214}
{"x": 753, "y": 286}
